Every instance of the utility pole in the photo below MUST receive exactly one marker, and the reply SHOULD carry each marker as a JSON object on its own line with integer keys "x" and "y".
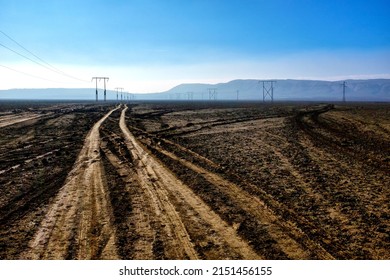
{"x": 268, "y": 90}
{"x": 100, "y": 78}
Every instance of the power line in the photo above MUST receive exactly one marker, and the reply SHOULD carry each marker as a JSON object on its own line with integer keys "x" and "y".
{"x": 47, "y": 66}
{"x": 33, "y": 76}
{"x": 51, "y": 66}
{"x": 25, "y": 56}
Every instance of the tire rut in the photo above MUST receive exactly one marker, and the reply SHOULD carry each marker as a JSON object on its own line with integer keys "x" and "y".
{"x": 352, "y": 187}
{"x": 78, "y": 223}
{"x": 257, "y": 208}
{"x": 291, "y": 239}
{"x": 19, "y": 118}
{"x": 162, "y": 185}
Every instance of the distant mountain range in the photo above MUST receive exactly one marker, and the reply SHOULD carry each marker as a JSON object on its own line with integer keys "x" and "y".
{"x": 356, "y": 90}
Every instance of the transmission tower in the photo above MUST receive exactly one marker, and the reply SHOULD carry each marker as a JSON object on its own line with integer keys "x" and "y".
{"x": 117, "y": 90}
{"x": 212, "y": 93}
{"x": 100, "y": 78}
{"x": 190, "y": 95}
{"x": 268, "y": 90}
{"x": 344, "y": 84}
{"x": 96, "y": 89}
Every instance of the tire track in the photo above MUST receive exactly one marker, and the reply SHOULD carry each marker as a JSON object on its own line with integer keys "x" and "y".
{"x": 140, "y": 221}
{"x": 290, "y": 238}
{"x": 355, "y": 188}
{"x": 18, "y": 118}
{"x": 258, "y": 208}
{"x": 161, "y": 184}
{"x": 146, "y": 169}
{"x": 78, "y": 223}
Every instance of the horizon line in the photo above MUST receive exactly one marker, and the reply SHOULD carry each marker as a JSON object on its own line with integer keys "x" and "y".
{"x": 195, "y": 83}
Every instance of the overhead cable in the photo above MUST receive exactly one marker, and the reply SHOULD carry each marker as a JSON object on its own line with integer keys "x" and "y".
{"x": 43, "y": 64}
{"x": 27, "y": 74}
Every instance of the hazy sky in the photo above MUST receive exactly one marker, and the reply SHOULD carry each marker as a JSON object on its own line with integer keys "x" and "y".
{"x": 151, "y": 45}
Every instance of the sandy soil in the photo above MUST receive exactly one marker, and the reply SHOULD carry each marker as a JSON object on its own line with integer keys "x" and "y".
{"x": 196, "y": 181}
{"x": 80, "y": 214}
{"x": 6, "y": 120}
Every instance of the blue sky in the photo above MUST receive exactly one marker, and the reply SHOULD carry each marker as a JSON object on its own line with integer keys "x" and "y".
{"x": 151, "y": 45}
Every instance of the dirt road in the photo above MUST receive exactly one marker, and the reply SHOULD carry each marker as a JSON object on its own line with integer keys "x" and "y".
{"x": 160, "y": 185}
{"x": 78, "y": 223}
{"x": 196, "y": 181}
{"x": 11, "y": 119}
{"x": 308, "y": 182}
{"x": 166, "y": 214}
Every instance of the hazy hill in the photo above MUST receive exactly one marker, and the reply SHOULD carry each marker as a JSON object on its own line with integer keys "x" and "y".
{"x": 56, "y": 94}
{"x": 357, "y": 90}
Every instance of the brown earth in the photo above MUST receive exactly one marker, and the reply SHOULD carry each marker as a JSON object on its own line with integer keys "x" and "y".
{"x": 195, "y": 181}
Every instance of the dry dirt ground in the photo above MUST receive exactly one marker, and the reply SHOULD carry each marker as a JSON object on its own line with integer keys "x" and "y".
{"x": 194, "y": 180}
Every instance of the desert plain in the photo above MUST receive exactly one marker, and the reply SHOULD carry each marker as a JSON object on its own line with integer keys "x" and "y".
{"x": 194, "y": 180}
